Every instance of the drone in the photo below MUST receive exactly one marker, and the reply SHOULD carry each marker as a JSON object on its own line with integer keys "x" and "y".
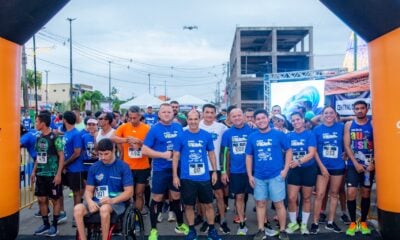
{"x": 193, "y": 27}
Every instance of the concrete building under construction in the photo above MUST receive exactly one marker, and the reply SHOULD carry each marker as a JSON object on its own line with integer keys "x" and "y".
{"x": 260, "y": 50}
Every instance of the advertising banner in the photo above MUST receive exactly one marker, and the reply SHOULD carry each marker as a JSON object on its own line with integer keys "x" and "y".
{"x": 344, "y": 102}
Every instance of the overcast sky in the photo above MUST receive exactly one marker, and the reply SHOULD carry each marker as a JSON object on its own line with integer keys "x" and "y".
{"x": 142, "y": 37}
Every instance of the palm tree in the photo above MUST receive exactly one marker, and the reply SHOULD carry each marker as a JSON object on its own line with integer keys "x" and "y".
{"x": 30, "y": 84}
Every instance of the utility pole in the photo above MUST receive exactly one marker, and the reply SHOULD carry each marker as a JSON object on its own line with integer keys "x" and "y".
{"x": 154, "y": 91}
{"x": 70, "y": 61}
{"x": 149, "y": 82}
{"x": 34, "y": 74}
{"x": 355, "y": 51}
{"x": 109, "y": 81}
{"x": 24, "y": 82}
{"x": 47, "y": 86}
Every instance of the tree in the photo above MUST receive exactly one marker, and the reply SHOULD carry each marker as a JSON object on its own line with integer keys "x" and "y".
{"x": 28, "y": 84}
{"x": 94, "y": 97}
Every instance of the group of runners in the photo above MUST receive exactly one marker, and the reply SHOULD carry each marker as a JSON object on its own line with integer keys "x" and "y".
{"x": 190, "y": 160}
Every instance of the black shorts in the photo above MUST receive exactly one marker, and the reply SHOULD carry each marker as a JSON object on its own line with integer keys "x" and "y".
{"x": 84, "y": 175}
{"x": 355, "y": 179}
{"x": 303, "y": 176}
{"x": 45, "y": 188}
{"x": 193, "y": 190}
{"x": 333, "y": 172}
{"x": 239, "y": 184}
{"x": 75, "y": 181}
{"x": 218, "y": 185}
{"x": 141, "y": 176}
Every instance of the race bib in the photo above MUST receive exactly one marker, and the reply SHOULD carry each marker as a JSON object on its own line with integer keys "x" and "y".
{"x": 238, "y": 147}
{"x": 41, "y": 158}
{"x": 101, "y": 192}
{"x": 170, "y": 146}
{"x": 196, "y": 169}
{"x": 298, "y": 155}
{"x": 330, "y": 151}
{"x": 134, "y": 153}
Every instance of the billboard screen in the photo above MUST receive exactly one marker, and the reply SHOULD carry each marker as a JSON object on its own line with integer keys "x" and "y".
{"x": 290, "y": 95}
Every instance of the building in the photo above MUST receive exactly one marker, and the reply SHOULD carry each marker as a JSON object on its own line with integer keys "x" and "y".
{"x": 260, "y": 50}
{"x": 59, "y": 92}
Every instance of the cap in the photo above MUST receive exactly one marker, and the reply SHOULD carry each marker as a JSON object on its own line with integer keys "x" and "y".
{"x": 92, "y": 120}
{"x": 279, "y": 117}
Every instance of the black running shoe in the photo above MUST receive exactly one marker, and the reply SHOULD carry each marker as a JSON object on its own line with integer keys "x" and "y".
{"x": 333, "y": 227}
{"x": 345, "y": 219}
{"x": 224, "y": 228}
{"x": 314, "y": 228}
{"x": 322, "y": 218}
{"x": 204, "y": 227}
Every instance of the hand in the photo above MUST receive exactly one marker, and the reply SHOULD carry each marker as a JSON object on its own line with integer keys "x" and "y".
{"x": 93, "y": 207}
{"x": 224, "y": 178}
{"x": 325, "y": 172}
{"x": 294, "y": 164}
{"x": 176, "y": 182}
{"x": 371, "y": 167}
{"x": 251, "y": 181}
{"x": 168, "y": 155}
{"x": 57, "y": 179}
{"x": 359, "y": 168}
{"x": 106, "y": 200}
{"x": 33, "y": 178}
{"x": 283, "y": 174}
{"x": 214, "y": 178}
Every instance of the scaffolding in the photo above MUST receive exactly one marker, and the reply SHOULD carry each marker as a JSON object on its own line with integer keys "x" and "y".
{"x": 296, "y": 76}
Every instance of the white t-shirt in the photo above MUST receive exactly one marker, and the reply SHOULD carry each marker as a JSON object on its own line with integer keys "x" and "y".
{"x": 217, "y": 130}
{"x": 100, "y": 135}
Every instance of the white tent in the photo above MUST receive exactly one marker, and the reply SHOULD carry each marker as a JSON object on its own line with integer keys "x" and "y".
{"x": 190, "y": 100}
{"x": 143, "y": 101}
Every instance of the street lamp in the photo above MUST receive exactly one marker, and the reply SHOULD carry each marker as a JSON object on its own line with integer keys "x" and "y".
{"x": 70, "y": 61}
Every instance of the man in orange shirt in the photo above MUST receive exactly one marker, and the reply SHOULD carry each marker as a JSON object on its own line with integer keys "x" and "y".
{"x": 131, "y": 136}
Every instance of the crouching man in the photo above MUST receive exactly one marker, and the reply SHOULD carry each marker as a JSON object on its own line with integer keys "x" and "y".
{"x": 109, "y": 185}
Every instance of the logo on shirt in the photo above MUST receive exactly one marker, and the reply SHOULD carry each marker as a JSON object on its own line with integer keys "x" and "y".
{"x": 192, "y": 143}
{"x": 329, "y": 135}
{"x": 296, "y": 143}
{"x": 263, "y": 143}
{"x": 99, "y": 177}
{"x": 170, "y": 135}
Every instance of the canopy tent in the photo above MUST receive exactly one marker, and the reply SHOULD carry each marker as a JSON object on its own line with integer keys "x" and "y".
{"x": 143, "y": 101}
{"x": 190, "y": 100}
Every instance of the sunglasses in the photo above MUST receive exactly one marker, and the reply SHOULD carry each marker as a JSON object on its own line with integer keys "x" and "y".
{"x": 101, "y": 119}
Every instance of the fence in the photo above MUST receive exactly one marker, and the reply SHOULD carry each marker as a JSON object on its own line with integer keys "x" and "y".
{"x": 27, "y": 197}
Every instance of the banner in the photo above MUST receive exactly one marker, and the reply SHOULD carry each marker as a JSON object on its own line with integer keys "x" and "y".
{"x": 350, "y": 82}
{"x": 344, "y": 102}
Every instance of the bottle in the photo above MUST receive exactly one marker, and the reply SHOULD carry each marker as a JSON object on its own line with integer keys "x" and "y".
{"x": 367, "y": 182}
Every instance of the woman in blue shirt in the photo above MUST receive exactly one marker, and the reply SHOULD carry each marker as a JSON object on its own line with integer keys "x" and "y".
{"x": 303, "y": 172}
{"x": 331, "y": 166}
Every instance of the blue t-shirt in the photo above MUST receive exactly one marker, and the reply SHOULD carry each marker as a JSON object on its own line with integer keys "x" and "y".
{"x": 150, "y": 119}
{"x": 161, "y": 138}
{"x": 330, "y": 145}
{"x": 300, "y": 142}
{"x": 362, "y": 143}
{"x": 109, "y": 179}
{"x": 193, "y": 148}
{"x": 235, "y": 139}
{"x": 267, "y": 151}
{"x": 28, "y": 141}
{"x": 27, "y": 123}
{"x": 72, "y": 140}
{"x": 88, "y": 142}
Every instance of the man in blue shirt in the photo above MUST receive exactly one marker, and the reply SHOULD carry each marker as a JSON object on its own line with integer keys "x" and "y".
{"x": 158, "y": 145}
{"x": 234, "y": 162}
{"x": 190, "y": 151}
{"x": 72, "y": 155}
{"x": 150, "y": 118}
{"x": 109, "y": 186}
{"x": 267, "y": 170}
{"x": 27, "y": 121}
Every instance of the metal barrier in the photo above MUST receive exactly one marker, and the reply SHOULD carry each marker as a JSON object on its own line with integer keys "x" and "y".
{"x": 27, "y": 197}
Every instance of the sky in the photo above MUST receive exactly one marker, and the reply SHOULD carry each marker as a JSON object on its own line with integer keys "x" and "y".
{"x": 142, "y": 38}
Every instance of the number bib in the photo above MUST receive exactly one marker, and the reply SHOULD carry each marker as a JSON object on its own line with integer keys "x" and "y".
{"x": 101, "y": 192}
{"x": 41, "y": 158}
{"x": 196, "y": 169}
{"x": 330, "y": 151}
{"x": 134, "y": 153}
{"x": 238, "y": 147}
{"x": 298, "y": 155}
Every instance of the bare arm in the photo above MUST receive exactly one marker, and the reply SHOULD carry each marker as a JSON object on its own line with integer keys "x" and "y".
{"x": 155, "y": 154}
{"x": 175, "y": 161}
{"x": 75, "y": 155}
